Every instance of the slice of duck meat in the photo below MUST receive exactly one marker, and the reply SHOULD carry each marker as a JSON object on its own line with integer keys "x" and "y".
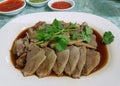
{"x": 18, "y": 47}
{"x": 31, "y": 34}
{"x": 32, "y": 50}
{"x": 20, "y": 62}
{"x": 92, "y": 44}
{"x": 72, "y": 42}
{"x": 92, "y": 60}
{"x": 46, "y": 67}
{"x": 39, "y": 25}
{"x": 81, "y": 62}
{"x": 61, "y": 61}
{"x": 35, "y": 57}
{"x": 73, "y": 60}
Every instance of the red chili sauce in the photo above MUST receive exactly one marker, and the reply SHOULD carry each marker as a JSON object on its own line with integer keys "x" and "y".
{"x": 61, "y": 5}
{"x": 10, "y": 5}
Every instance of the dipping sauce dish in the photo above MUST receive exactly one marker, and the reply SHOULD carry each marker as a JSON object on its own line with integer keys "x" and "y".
{"x": 11, "y": 7}
{"x": 37, "y": 3}
{"x": 61, "y": 5}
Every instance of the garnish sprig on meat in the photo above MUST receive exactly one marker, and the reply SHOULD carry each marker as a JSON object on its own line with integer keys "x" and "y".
{"x": 86, "y": 34}
{"x": 55, "y": 32}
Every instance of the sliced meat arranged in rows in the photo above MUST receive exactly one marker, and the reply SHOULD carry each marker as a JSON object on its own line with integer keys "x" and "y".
{"x": 46, "y": 67}
{"x": 74, "y": 61}
{"x": 35, "y": 57}
{"x": 81, "y": 62}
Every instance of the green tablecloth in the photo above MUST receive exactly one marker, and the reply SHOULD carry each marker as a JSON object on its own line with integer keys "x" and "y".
{"x": 109, "y": 9}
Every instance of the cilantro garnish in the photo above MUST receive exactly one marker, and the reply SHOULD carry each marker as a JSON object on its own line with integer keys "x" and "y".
{"x": 85, "y": 37}
{"x": 108, "y": 37}
{"x": 57, "y": 24}
{"x": 74, "y": 36}
{"x": 72, "y": 25}
{"x": 54, "y": 33}
{"x": 62, "y": 42}
{"x": 85, "y": 34}
{"x": 88, "y": 30}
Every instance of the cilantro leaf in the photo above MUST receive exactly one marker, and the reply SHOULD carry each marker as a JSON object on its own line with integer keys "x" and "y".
{"x": 108, "y": 37}
{"x": 60, "y": 46}
{"x": 62, "y": 42}
{"x": 40, "y": 34}
{"x": 47, "y": 37}
{"x": 88, "y": 30}
{"x": 86, "y": 33}
{"x": 57, "y": 24}
{"x": 49, "y": 28}
{"x": 85, "y": 37}
{"x": 74, "y": 36}
{"x": 72, "y": 25}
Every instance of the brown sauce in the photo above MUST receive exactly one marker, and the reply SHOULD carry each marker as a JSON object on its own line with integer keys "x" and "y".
{"x": 14, "y": 57}
{"x": 101, "y": 48}
{"x": 103, "y": 52}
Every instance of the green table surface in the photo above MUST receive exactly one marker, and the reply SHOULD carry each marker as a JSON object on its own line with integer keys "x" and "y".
{"x": 108, "y": 9}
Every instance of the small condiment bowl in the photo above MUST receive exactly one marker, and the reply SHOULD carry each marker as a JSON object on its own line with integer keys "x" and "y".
{"x": 38, "y": 4}
{"x": 13, "y": 12}
{"x": 51, "y": 2}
